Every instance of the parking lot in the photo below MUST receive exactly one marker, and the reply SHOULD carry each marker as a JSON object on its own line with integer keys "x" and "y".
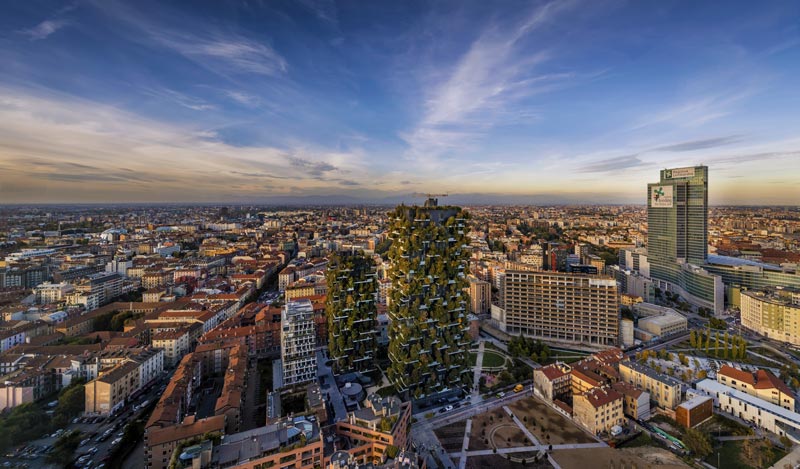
{"x": 99, "y": 437}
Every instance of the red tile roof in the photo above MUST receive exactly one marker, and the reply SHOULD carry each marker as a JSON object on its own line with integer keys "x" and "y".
{"x": 762, "y": 379}
{"x": 766, "y": 380}
{"x": 552, "y": 371}
{"x": 739, "y": 375}
{"x": 598, "y": 397}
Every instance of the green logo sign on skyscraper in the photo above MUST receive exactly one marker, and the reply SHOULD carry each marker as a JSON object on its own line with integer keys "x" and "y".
{"x": 661, "y": 197}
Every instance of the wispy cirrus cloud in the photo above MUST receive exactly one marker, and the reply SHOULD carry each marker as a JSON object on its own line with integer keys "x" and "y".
{"x": 182, "y": 99}
{"x": 701, "y": 144}
{"x": 618, "y": 163}
{"x": 44, "y": 29}
{"x": 755, "y": 157}
{"x": 636, "y": 160}
{"x": 78, "y": 150}
{"x": 495, "y": 73}
{"x": 314, "y": 168}
{"x": 700, "y": 110}
{"x": 245, "y": 99}
{"x": 222, "y": 52}
{"x": 225, "y": 53}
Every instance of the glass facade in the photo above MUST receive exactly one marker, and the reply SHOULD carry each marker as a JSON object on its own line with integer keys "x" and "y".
{"x": 677, "y": 235}
{"x": 677, "y": 243}
{"x": 677, "y": 216}
{"x": 754, "y": 277}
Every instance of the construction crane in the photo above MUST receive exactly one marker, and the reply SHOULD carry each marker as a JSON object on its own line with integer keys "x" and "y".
{"x": 432, "y": 201}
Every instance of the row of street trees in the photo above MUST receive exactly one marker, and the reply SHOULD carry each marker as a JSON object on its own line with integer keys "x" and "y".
{"x": 534, "y": 349}
{"x": 723, "y": 346}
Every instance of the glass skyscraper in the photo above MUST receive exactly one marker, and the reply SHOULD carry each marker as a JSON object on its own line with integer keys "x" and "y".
{"x": 677, "y": 216}
{"x": 677, "y": 245}
{"x": 677, "y": 235}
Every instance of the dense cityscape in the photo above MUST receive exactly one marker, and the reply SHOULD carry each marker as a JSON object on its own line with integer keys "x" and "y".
{"x": 452, "y": 234}
{"x": 425, "y": 335}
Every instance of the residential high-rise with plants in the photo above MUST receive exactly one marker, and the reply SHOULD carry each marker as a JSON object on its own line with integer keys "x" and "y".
{"x": 352, "y": 312}
{"x": 428, "y": 341}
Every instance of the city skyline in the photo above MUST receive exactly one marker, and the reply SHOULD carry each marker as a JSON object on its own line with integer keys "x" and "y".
{"x": 546, "y": 102}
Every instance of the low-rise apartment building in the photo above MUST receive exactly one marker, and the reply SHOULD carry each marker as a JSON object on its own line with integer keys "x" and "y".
{"x": 773, "y": 313}
{"x": 108, "y": 392}
{"x": 598, "y": 409}
{"x": 664, "y": 390}
{"x": 382, "y": 423}
{"x": 636, "y": 403}
{"x": 160, "y": 442}
{"x": 176, "y": 342}
{"x": 761, "y": 384}
{"x": 552, "y": 382}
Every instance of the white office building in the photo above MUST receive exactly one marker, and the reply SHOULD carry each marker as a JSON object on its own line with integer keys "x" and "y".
{"x": 766, "y": 415}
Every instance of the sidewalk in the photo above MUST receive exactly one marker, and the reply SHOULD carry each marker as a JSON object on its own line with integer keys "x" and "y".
{"x": 790, "y": 460}
{"x": 476, "y": 391}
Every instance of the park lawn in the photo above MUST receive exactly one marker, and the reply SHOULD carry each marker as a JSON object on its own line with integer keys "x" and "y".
{"x": 723, "y": 426}
{"x": 730, "y": 456}
{"x": 492, "y": 359}
{"x": 767, "y": 353}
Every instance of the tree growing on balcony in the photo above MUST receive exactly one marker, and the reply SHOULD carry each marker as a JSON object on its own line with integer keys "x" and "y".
{"x": 427, "y": 301}
{"x": 351, "y": 310}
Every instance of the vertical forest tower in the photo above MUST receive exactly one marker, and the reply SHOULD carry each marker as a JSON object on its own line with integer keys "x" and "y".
{"x": 428, "y": 340}
{"x": 352, "y": 312}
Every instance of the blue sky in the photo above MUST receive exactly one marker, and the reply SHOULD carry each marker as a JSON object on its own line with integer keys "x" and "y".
{"x": 106, "y": 101}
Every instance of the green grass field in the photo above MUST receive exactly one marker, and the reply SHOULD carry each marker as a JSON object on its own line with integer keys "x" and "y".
{"x": 492, "y": 359}
{"x": 731, "y": 457}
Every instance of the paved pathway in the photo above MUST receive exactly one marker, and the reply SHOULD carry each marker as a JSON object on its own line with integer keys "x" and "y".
{"x": 522, "y": 427}
{"x": 535, "y": 441}
{"x": 740, "y": 437}
{"x": 462, "y": 463}
{"x": 522, "y": 449}
{"x": 252, "y": 391}
{"x": 465, "y": 412}
{"x": 424, "y": 436}
{"x": 792, "y": 459}
{"x": 504, "y": 348}
{"x": 336, "y": 399}
{"x": 476, "y": 390}
{"x": 764, "y": 357}
{"x": 135, "y": 459}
